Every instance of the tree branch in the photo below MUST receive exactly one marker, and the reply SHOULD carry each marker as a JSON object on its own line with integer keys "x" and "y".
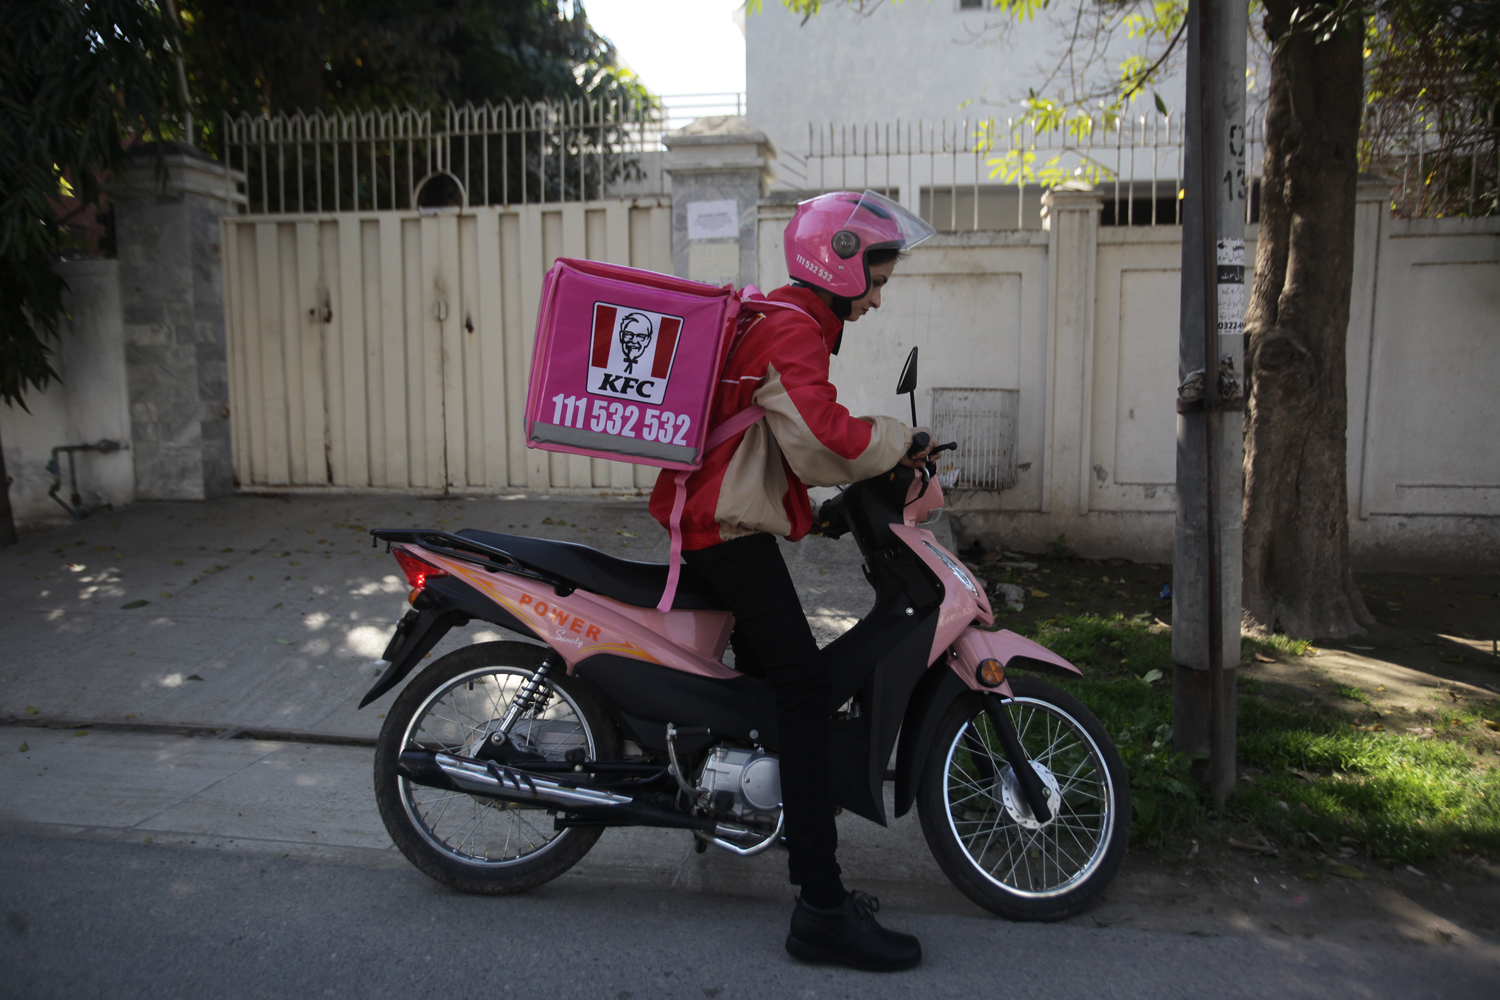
{"x": 1157, "y": 65}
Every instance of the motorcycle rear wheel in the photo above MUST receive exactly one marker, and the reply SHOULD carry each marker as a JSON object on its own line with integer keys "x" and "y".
{"x": 982, "y": 833}
{"x": 470, "y": 842}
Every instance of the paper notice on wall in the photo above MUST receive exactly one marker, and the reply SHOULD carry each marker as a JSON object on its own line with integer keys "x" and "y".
{"x": 1230, "y": 260}
{"x": 713, "y": 220}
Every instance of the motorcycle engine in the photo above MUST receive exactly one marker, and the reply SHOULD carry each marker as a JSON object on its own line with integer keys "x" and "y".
{"x": 745, "y": 784}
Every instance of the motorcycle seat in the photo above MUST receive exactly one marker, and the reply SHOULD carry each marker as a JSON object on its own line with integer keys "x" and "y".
{"x": 640, "y": 584}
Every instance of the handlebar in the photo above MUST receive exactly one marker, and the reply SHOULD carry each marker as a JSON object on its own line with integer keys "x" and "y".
{"x": 831, "y": 519}
{"x": 920, "y": 440}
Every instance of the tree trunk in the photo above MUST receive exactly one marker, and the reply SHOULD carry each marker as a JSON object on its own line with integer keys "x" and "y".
{"x": 1298, "y": 579}
{"x": 7, "y": 522}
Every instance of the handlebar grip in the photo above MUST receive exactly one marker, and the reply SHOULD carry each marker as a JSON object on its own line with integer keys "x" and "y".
{"x": 919, "y": 442}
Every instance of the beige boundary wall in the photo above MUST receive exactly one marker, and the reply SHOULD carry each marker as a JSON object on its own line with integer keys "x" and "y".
{"x": 1083, "y": 321}
{"x": 389, "y": 350}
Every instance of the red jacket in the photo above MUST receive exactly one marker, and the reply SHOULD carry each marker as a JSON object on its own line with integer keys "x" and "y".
{"x": 758, "y": 479}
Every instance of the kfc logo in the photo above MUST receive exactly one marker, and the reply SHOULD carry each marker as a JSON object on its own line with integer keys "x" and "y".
{"x": 632, "y": 352}
{"x": 636, "y": 331}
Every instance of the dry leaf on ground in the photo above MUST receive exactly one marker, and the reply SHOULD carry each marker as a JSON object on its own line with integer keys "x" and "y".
{"x": 1344, "y": 871}
{"x": 1261, "y": 848}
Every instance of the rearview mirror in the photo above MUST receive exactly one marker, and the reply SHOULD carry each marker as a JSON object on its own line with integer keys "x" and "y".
{"x": 908, "y": 381}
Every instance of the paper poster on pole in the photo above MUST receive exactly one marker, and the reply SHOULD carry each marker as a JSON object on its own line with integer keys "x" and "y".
{"x": 1230, "y": 261}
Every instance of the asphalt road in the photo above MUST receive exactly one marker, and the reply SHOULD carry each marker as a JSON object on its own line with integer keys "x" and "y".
{"x": 96, "y": 919}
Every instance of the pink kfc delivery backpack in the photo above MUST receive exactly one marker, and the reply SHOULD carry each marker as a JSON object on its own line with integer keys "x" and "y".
{"x": 625, "y": 367}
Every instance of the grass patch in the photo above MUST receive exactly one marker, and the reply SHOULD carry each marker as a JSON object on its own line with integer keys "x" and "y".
{"x": 1127, "y": 665}
{"x": 1403, "y": 797}
{"x": 1319, "y": 779}
{"x": 1353, "y": 693}
{"x": 1274, "y": 645}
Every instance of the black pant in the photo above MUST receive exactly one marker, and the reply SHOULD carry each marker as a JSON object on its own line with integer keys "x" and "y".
{"x": 750, "y": 576}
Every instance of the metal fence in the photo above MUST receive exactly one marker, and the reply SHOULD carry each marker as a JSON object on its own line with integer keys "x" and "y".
{"x": 969, "y": 168}
{"x": 681, "y": 109}
{"x": 494, "y": 154}
{"x": 972, "y": 174}
{"x": 1447, "y": 159}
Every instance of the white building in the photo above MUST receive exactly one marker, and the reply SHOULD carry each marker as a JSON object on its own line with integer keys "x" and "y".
{"x": 925, "y": 60}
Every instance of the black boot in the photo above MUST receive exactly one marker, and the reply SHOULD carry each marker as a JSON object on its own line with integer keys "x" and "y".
{"x": 849, "y": 934}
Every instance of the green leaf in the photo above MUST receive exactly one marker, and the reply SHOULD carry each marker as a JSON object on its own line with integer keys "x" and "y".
{"x": 134, "y": 604}
{"x": 1161, "y": 105}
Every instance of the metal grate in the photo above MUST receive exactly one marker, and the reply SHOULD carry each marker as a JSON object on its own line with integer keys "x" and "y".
{"x": 961, "y": 165}
{"x": 494, "y": 154}
{"x": 983, "y": 422}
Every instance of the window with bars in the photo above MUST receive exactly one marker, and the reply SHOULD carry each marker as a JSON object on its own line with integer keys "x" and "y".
{"x": 983, "y": 423}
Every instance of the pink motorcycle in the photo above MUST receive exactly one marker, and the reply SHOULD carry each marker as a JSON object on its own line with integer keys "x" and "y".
{"x": 501, "y": 763}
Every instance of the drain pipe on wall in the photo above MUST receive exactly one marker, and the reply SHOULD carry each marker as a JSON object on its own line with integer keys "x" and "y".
{"x": 103, "y": 447}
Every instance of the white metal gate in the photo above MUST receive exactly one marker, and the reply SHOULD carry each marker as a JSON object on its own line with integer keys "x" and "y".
{"x": 390, "y": 350}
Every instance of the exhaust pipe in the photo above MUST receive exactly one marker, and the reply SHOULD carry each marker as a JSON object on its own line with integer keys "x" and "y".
{"x": 495, "y": 781}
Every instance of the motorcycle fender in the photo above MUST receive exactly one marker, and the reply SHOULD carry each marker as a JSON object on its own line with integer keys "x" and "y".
{"x": 934, "y": 693}
{"x": 417, "y": 633}
{"x": 448, "y": 604}
{"x": 1014, "y": 651}
{"x": 938, "y": 688}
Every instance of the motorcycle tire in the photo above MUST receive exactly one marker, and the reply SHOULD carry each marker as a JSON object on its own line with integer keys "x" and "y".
{"x": 982, "y": 831}
{"x": 468, "y": 842}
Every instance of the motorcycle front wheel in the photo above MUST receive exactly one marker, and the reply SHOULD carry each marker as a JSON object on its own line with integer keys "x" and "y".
{"x": 980, "y": 828}
{"x": 470, "y": 842}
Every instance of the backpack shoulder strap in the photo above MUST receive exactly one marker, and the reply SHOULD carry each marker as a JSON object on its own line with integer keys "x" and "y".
{"x": 741, "y": 421}
{"x": 755, "y": 300}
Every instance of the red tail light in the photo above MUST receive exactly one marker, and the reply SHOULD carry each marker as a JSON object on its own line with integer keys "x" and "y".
{"x": 418, "y": 571}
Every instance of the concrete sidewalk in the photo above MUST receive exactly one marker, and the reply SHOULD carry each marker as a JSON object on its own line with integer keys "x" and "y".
{"x": 271, "y": 612}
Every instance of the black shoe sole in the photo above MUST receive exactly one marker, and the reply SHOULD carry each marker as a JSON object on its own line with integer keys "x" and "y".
{"x": 803, "y": 951}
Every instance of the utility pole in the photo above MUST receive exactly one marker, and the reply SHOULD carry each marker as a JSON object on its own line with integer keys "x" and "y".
{"x": 1206, "y": 568}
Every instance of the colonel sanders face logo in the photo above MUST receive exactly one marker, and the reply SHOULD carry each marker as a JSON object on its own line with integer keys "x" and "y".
{"x": 635, "y": 337}
{"x": 631, "y": 352}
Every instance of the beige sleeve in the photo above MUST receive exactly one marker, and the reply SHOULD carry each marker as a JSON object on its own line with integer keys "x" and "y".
{"x": 814, "y": 462}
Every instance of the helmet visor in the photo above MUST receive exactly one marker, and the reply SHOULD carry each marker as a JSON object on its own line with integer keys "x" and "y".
{"x": 901, "y": 229}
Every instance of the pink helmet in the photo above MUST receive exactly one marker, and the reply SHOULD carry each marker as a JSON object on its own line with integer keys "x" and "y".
{"x": 829, "y": 236}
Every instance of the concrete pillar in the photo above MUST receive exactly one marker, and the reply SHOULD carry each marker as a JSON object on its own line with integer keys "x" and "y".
{"x": 172, "y": 296}
{"x": 719, "y": 168}
{"x": 1070, "y": 214}
{"x": 1372, "y": 210}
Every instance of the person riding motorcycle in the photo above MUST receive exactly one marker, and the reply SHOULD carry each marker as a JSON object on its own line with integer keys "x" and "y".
{"x": 841, "y": 249}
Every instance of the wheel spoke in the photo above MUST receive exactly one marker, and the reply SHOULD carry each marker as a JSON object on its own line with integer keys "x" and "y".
{"x": 977, "y": 793}
{"x": 1056, "y": 854}
{"x": 455, "y": 716}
